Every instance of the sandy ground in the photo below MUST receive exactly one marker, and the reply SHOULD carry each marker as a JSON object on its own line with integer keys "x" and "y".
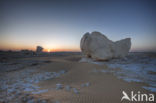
{"x": 78, "y": 83}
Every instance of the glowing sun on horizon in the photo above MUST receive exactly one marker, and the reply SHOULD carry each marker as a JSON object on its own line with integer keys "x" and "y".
{"x": 48, "y": 50}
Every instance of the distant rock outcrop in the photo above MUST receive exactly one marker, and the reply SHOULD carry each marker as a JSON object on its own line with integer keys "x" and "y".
{"x": 39, "y": 49}
{"x": 97, "y": 46}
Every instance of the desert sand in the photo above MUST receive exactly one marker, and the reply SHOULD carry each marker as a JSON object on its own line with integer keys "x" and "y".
{"x": 63, "y": 79}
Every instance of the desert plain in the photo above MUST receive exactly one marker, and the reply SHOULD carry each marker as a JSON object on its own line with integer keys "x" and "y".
{"x": 68, "y": 78}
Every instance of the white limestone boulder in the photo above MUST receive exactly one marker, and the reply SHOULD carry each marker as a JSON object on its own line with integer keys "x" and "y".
{"x": 98, "y": 47}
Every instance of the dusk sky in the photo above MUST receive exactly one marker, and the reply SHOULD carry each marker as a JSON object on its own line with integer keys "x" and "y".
{"x": 58, "y": 25}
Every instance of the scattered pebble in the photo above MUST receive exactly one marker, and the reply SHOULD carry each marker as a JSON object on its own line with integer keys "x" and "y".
{"x": 40, "y": 91}
{"x": 85, "y": 84}
{"x": 68, "y": 88}
{"x": 62, "y": 71}
{"x": 75, "y": 91}
{"x": 59, "y": 86}
{"x": 23, "y": 81}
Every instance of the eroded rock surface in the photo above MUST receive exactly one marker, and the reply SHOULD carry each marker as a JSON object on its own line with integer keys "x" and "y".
{"x": 98, "y": 47}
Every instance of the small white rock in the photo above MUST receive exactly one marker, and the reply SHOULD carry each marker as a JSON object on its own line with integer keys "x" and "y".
{"x": 87, "y": 84}
{"x": 75, "y": 91}
{"x": 67, "y": 88}
{"x": 62, "y": 72}
{"x": 59, "y": 86}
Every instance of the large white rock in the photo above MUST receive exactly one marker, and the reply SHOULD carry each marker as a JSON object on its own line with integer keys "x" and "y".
{"x": 97, "y": 46}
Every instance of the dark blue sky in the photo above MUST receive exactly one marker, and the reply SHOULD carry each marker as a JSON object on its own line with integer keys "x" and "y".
{"x": 60, "y": 24}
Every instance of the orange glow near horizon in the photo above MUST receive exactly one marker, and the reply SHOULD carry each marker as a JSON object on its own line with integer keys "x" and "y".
{"x": 61, "y": 50}
{"x": 45, "y": 50}
{"x": 18, "y": 48}
{"x": 56, "y": 48}
{"x": 47, "y": 47}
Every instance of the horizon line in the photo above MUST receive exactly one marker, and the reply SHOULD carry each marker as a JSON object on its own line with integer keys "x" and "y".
{"x": 66, "y": 50}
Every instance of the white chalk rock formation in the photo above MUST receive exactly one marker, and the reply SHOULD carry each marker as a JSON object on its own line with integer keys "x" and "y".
{"x": 98, "y": 47}
{"x": 39, "y": 49}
